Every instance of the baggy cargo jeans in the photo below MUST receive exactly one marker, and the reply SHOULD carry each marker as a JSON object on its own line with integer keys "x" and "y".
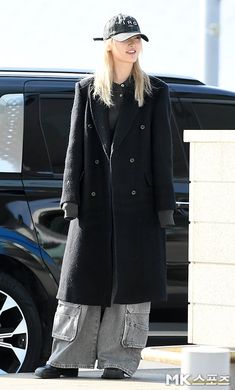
{"x": 80, "y": 336}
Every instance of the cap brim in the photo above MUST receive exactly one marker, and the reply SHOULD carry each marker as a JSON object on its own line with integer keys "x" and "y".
{"x": 124, "y": 36}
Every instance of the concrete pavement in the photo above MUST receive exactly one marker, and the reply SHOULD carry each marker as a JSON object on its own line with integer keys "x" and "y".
{"x": 149, "y": 376}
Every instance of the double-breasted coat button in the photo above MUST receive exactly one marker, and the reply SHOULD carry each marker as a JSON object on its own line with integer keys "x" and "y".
{"x": 121, "y": 95}
{"x": 133, "y": 192}
{"x": 142, "y": 127}
{"x": 93, "y": 193}
{"x": 132, "y": 160}
{"x": 90, "y": 126}
{"x": 97, "y": 162}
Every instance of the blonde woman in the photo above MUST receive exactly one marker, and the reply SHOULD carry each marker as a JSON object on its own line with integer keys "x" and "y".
{"x": 118, "y": 194}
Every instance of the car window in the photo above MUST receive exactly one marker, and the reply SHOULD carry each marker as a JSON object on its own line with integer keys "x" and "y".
{"x": 180, "y": 165}
{"x": 55, "y": 114}
{"x": 185, "y": 119}
{"x": 35, "y": 156}
{"x": 215, "y": 115}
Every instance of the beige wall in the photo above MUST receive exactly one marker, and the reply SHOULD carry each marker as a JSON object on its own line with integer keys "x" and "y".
{"x": 212, "y": 237}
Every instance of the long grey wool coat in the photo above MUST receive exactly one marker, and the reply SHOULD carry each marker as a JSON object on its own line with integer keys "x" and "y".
{"x": 117, "y": 231}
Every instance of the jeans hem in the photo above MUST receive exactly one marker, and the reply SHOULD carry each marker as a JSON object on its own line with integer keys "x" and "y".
{"x": 78, "y": 365}
{"x": 127, "y": 371}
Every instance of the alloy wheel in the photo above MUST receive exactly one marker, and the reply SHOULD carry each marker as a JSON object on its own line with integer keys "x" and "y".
{"x": 13, "y": 335}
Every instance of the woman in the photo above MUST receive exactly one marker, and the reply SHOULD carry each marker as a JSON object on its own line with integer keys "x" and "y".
{"x": 118, "y": 193}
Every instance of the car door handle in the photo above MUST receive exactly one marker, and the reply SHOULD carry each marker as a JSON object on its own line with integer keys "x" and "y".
{"x": 182, "y": 205}
{"x": 183, "y": 208}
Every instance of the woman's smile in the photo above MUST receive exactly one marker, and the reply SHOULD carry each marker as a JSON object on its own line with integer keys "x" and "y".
{"x": 131, "y": 51}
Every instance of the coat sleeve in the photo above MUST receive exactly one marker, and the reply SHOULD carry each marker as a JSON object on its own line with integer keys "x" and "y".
{"x": 70, "y": 210}
{"x": 166, "y": 218}
{"x": 162, "y": 153}
{"x": 74, "y": 156}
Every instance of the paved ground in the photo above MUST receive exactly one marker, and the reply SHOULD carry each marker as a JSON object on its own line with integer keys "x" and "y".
{"x": 149, "y": 376}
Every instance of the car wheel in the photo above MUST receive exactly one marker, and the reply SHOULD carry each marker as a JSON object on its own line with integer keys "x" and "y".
{"x": 20, "y": 328}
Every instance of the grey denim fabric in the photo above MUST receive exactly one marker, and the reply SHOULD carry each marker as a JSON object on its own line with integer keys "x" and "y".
{"x": 80, "y": 336}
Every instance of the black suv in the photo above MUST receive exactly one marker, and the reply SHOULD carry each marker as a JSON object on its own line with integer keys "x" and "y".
{"x": 35, "y": 109}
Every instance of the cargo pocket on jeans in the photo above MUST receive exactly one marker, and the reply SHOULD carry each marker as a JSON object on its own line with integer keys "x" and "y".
{"x": 136, "y": 327}
{"x": 66, "y": 321}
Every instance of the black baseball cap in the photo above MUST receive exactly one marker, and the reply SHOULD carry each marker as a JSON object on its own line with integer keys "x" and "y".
{"x": 120, "y": 28}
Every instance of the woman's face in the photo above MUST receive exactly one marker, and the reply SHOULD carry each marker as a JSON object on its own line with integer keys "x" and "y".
{"x": 126, "y": 51}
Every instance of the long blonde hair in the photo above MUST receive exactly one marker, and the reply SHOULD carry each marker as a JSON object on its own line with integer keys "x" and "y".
{"x": 103, "y": 80}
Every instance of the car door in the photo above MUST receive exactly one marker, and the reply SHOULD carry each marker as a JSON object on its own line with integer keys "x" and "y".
{"x": 47, "y": 120}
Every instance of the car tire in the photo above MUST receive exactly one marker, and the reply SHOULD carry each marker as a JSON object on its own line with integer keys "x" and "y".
{"x": 20, "y": 327}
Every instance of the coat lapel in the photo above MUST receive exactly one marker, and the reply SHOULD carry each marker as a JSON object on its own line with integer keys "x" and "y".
{"x": 99, "y": 112}
{"x": 128, "y": 111}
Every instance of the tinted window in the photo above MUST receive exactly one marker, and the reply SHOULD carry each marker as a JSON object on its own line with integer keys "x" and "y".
{"x": 55, "y": 115}
{"x": 179, "y": 160}
{"x": 185, "y": 119}
{"x": 35, "y": 156}
{"x": 213, "y": 115}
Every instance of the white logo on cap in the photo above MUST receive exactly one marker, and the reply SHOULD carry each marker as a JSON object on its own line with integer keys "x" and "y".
{"x": 124, "y": 21}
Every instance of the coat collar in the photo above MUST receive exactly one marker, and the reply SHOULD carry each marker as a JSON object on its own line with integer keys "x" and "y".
{"x": 99, "y": 112}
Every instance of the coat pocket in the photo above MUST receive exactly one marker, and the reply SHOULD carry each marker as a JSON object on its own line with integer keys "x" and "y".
{"x": 136, "y": 326}
{"x": 66, "y": 321}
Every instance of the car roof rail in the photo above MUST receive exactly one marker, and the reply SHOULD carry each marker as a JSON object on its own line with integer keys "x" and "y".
{"x": 173, "y": 79}
{"x": 45, "y": 70}
{"x": 178, "y": 79}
